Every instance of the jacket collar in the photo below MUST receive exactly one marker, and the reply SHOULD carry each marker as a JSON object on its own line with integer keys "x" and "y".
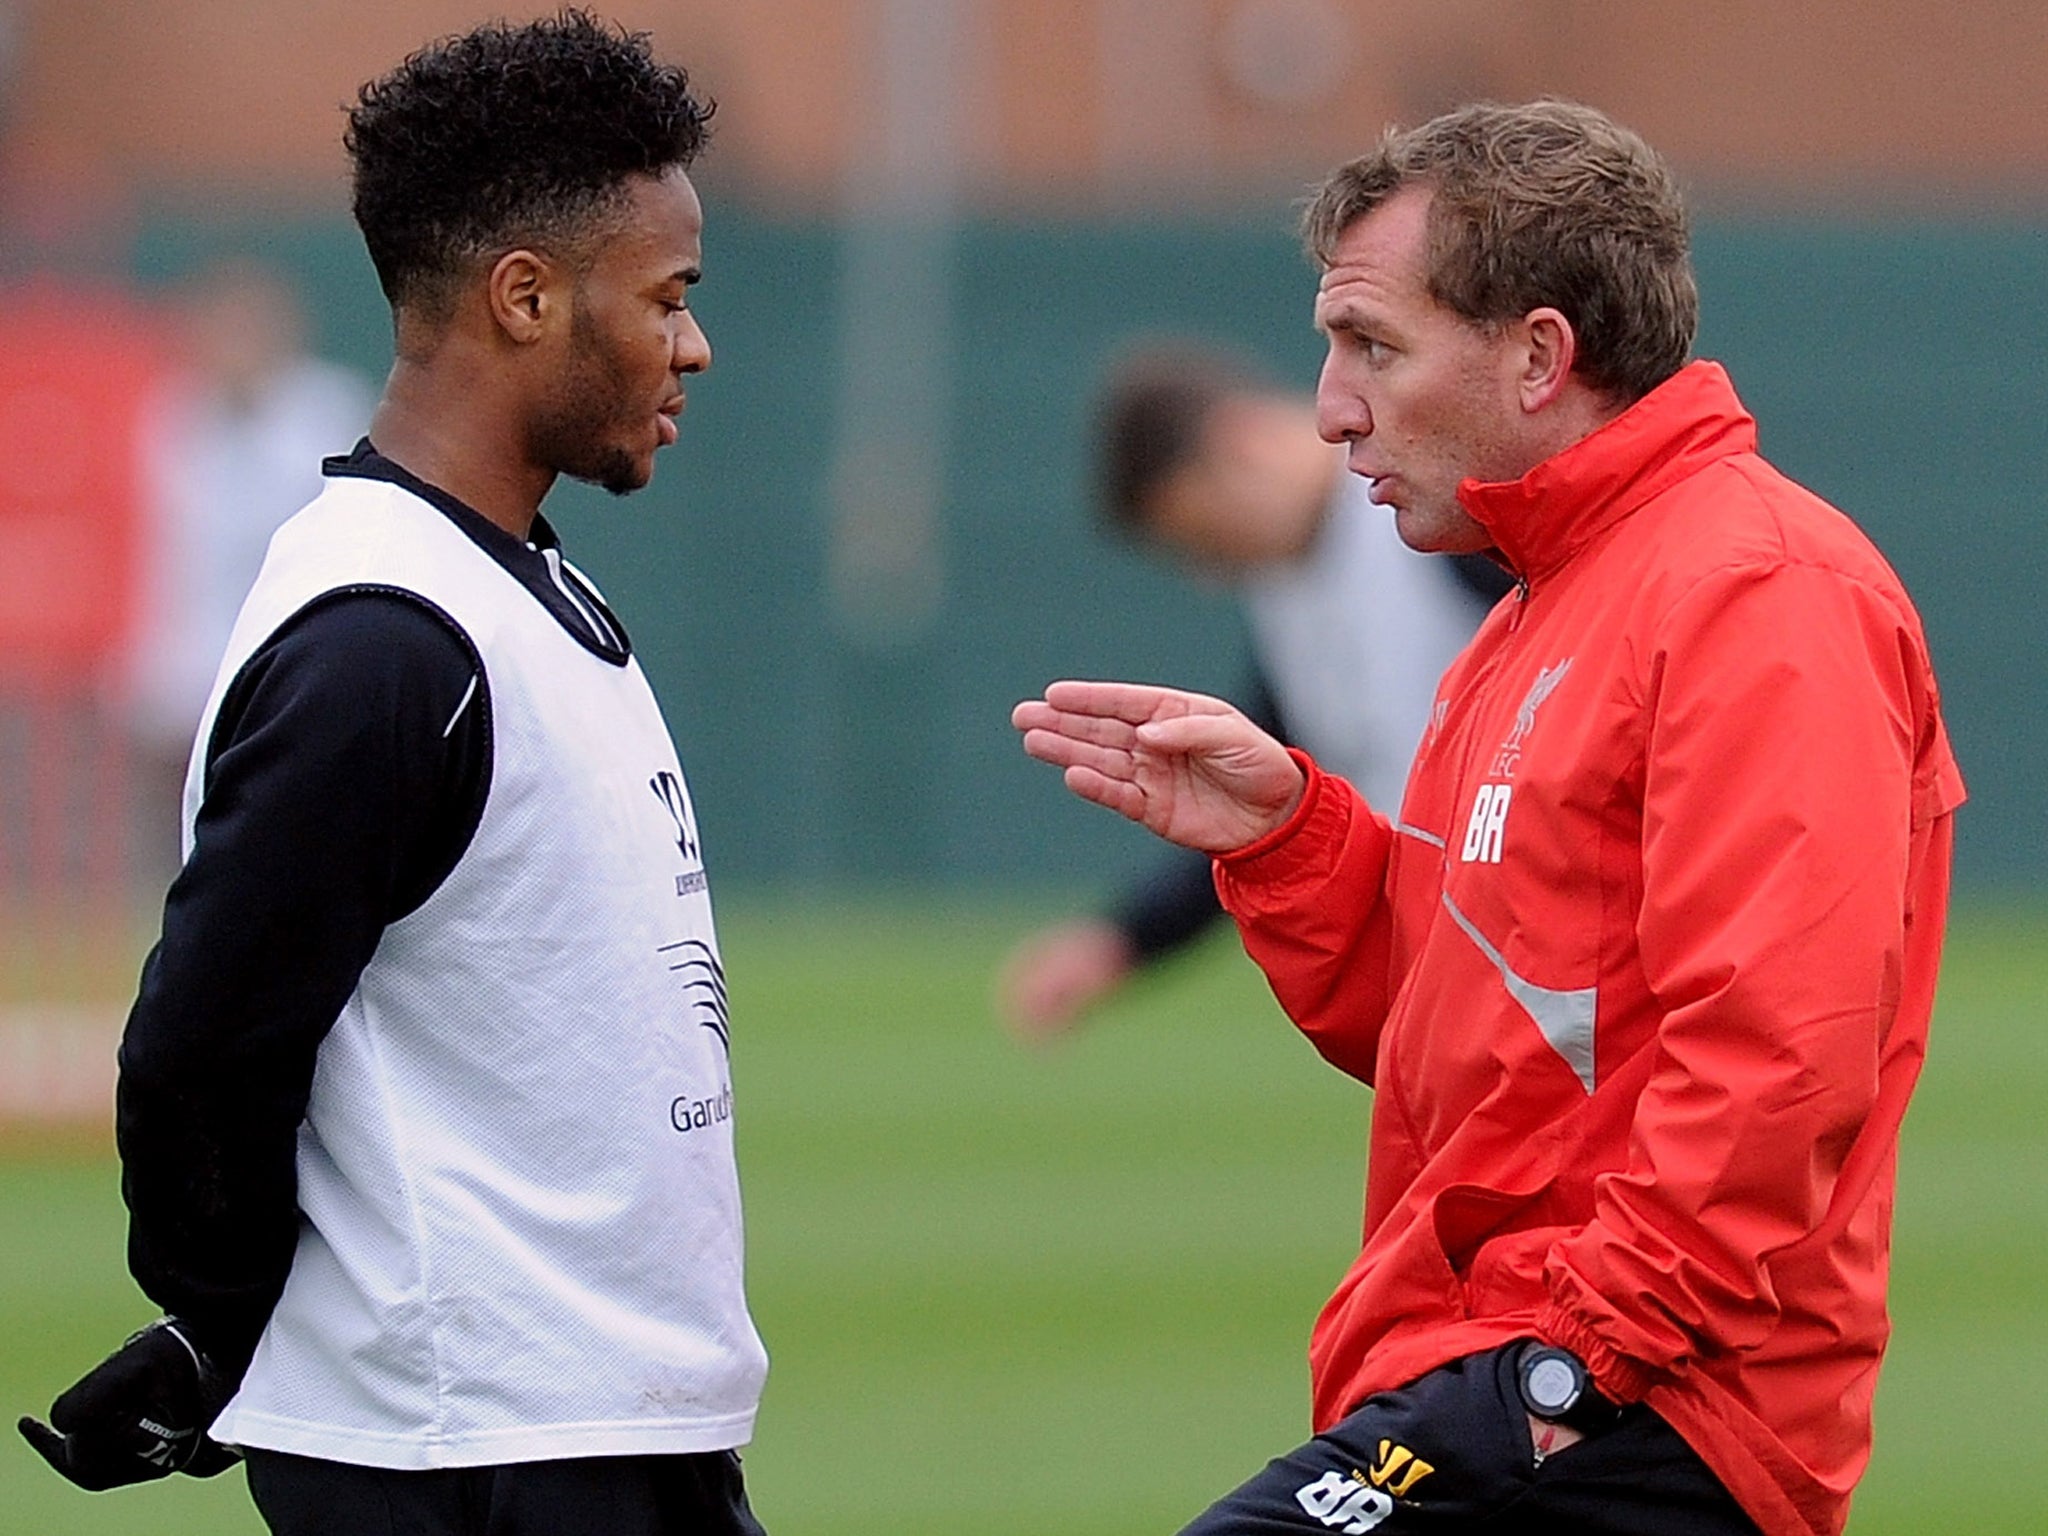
{"x": 1543, "y": 519}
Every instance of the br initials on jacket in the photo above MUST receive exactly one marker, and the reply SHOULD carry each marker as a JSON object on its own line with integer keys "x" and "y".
{"x": 1487, "y": 827}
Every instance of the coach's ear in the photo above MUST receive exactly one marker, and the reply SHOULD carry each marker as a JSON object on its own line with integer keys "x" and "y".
{"x": 1548, "y": 348}
{"x": 526, "y": 292}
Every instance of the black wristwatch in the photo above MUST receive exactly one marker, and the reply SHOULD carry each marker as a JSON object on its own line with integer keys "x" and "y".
{"x": 1556, "y": 1388}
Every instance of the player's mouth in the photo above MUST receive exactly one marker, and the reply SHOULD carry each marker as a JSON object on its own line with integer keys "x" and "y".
{"x": 665, "y": 416}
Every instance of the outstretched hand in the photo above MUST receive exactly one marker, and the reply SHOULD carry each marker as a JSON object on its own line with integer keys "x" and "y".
{"x": 1183, "y": 765}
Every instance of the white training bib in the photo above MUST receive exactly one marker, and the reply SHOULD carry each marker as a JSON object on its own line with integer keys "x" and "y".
{"x": 522, "y": 1236}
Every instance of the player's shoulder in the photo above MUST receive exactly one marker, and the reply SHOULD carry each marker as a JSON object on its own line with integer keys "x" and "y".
{"x": 358, "y": 622}
{"x": 363, "y": 649}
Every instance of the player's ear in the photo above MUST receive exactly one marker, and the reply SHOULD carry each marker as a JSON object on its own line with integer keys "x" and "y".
{"x": 1549, "y": 347}
{"x": 526, "y": 292}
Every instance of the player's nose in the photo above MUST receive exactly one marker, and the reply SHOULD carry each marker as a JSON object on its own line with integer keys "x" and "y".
{"x": 690, "y": 349}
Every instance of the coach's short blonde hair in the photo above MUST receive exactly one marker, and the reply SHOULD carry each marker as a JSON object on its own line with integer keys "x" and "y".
{"x": 1550, "y": 203}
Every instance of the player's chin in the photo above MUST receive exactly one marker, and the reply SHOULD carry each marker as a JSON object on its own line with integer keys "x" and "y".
{"x": 620, "y": 471}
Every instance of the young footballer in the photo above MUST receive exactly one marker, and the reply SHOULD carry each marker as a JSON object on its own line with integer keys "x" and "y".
{"x": 425, "y": 1114}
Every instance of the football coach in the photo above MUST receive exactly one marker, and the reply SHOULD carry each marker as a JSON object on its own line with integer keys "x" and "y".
{"x": 425, "y": 1114}
{"x": 1640, "y": 968}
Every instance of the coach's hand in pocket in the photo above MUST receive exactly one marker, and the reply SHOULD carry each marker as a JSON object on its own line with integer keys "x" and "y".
{"x": 1547, "y": 1439}
{"x": 139, "y": 1415}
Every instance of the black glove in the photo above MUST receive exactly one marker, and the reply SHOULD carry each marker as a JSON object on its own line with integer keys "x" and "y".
{"x": 138, "y": 1415}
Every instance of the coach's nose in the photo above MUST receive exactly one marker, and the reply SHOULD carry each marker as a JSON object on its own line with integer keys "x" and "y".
{"x": 1342, "y": 414}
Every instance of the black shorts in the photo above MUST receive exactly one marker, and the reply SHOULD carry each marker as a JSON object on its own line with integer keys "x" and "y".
{"x": 700, "y": 1495}
{"x": 1450, "y": 1452}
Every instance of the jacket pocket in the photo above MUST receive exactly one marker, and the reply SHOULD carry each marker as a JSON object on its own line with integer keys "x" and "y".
{"x": 1506, "y": 1279}
{"x": 1471, "y": 1221}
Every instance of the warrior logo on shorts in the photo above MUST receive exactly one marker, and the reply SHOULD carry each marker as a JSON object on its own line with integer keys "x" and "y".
{"x": 1356, "y": 1502}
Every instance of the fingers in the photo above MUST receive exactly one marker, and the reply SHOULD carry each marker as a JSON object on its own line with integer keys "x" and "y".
{"x": 1117, "y": 794}
{"x": 95, "y": 1469}
{"x": 1090, "y": 724}
{"x": 1089, "y": 728}
{"x": 1036, "y": 715}
{"x": 1187, "y": 734}
{"x": 49, "y": 1445}
{"x": 1066, "y": 752}
{"x": 1132, "y": 703}
{"x": 1142, "y": 751}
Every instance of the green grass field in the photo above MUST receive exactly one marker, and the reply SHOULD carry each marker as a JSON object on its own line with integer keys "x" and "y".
{"x": 1018, "y": 1293}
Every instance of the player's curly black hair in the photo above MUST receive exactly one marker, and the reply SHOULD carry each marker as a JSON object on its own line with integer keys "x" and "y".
{"x": 508, "y": 136}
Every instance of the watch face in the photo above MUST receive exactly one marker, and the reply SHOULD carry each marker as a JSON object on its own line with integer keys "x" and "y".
{"x": 1553, "y": 1385}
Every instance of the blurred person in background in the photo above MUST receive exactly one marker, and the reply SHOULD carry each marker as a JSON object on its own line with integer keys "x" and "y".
{"x": 234, "y": 448}
{"x": 1200, "y": 459}
{"x": 1640, "y": 969}
{"x": 425, "y": 1108}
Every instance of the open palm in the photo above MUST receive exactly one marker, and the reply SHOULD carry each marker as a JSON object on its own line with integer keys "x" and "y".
{"x": 1183, "y": 765}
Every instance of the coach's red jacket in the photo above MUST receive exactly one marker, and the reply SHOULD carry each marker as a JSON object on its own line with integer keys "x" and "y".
{"x": 1642, "y": 971}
